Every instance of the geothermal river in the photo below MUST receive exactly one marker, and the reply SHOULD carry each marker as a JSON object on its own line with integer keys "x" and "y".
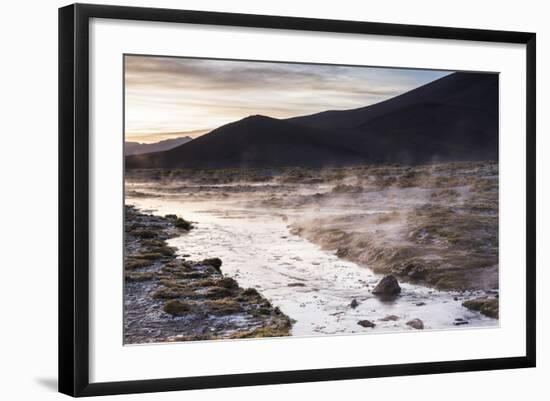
{"x": 312, "y": 286}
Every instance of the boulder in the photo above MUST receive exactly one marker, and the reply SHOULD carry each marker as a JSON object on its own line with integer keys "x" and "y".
{"x": 416, "y": 324}
{"x": 354, "y": 304}
{"x": 387, "y": 286}
{"x": 366, "y": 323}
{"x": 390, "y": 318}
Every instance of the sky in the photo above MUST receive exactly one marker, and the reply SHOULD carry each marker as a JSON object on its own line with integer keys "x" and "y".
{"x": 168, "y": 97}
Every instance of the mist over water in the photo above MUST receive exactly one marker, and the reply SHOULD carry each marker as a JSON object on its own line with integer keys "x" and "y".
{"x": 281, "y": 235}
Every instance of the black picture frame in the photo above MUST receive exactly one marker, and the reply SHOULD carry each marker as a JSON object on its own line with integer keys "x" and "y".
{"x": 74, "y": 198}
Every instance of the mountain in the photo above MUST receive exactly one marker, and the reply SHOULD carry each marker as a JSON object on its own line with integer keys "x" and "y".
{"x": 255, "y": 141}
{"x": 136, "y": 148}
{"x": 452, "y": 118}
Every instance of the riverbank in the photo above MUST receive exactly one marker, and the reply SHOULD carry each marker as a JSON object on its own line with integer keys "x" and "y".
{"x": 170, "y": 298}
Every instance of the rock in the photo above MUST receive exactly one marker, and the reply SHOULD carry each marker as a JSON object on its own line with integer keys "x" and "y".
{"x": 342, "y": 252}
{"x": 460, "y": 323}
{"x": 354, "y": 304}
{"x": 420, "y": 303}
{"x": 296, "y": 285}
{"x": 389, "y": 318}
{"x": 366, "y": 323}
{"x": 387, "y": 286}
{"x": 416, "y": 324}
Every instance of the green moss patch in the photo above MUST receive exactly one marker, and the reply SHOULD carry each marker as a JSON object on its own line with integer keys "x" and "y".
{"x": 139, "y": 276}
{"x": 487, "y": 306}
{"x": 135, "y": 263}
{"x": 216, "y": 263}
{"x": 183, "y": 224}
{"x": 175, "y": 307}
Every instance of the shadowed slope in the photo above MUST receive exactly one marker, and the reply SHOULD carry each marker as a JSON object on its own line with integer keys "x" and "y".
{"x": 255, "y": 141}
{"x": 452, "y": 118}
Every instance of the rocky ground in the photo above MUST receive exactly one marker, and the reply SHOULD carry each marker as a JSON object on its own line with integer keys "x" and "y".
{"x": 169, "y": 298}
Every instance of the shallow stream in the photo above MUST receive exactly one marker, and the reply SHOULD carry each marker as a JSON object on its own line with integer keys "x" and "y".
{"x": 312, "y": 286}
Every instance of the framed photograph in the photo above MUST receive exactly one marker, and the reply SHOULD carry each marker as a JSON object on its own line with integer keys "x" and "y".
{"x": 250, "y": 199}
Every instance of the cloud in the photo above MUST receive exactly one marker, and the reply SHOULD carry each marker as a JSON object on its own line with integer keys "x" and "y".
{"x": 183, "y": 73}
{"x": 181, "y": 94}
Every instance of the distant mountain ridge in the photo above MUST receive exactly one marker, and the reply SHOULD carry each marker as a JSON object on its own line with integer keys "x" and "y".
{"x": 253, "y": 141}
{"x": 137, "y": 148}
{"x": 450, "y": 119}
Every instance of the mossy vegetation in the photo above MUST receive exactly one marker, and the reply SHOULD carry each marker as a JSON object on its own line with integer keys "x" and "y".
{"x": 145, "y": 240}
{"x": 261, "y": 311}
{"x": 139, "y": 276}
{"x": 173, "y": 293}
{"x": 151, "y": 255}
{"x": 262, "y": 332}
{"x": 133, "y": 263}
{"x": 224, "y": 306}
{"x": 251, "y": 292}
{"x": 487, "y": 306}
{"x": 445, "y": 194}
{"x": 439, "y": 227}
{"x": 144, "y": 233}
{"x": 176, "y": 307}
{"x": 216, "y": 263}
{"x": 183, "y": 224}
{"x": 217, "y": 292}
{"x": 228, "y": 282}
